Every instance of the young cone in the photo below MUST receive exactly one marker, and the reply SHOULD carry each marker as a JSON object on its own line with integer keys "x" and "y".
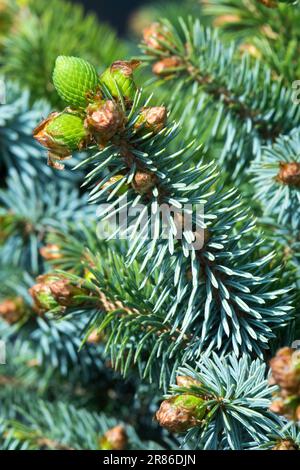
{"x": 62, "y": 134}
{"x": 75, "y": 80}
{"x": 118, "y": 79}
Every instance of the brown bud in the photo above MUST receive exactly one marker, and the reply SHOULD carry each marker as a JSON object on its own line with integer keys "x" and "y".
{"x": 95, "y": 337}
{"x": 289, "y": 173}
{"x": 53, "y": 291}
{"x": 285, "y": 444}
{"x": 166, "y": 66}
{"x": 284, "y": 372}
{"x": 144, "y": 181}
{"x": 104, "y": 119}
{"x": 114, "y": 439}
{"x": 12, "y": 310}
{"x": 153, "y": 34}
{"x": 127, "y": 67}
{"x": 62, "y": 291}
{"x": 50, "y": 252}
{"x": 152, "y": 118}
{"x": 180, "y": 413}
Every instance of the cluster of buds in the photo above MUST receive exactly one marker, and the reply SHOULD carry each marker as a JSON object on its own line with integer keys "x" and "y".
{"x": 97, "y": 108}
{"x": 157, "y": 39}
{"x": 285, "y": 368}
{"x": 289, "y": 173}
{"x": 114, "y": 439}
{"x": 181, "y": 412}
{"x": 53, "y": 292}
{"x": 13, "y": 310}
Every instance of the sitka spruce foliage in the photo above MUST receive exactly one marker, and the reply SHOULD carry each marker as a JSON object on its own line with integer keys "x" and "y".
{"x": 114, "y": 324}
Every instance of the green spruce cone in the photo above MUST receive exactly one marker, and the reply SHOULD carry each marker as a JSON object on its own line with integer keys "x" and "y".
{"x": 118, "y": 79}
{"x": 74, "y": 79}
{"x": 67, "y": 129}
{"x": 61, "y": 133}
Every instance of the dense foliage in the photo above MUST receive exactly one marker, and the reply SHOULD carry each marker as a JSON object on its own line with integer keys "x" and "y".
{"x": 107, "y": 325}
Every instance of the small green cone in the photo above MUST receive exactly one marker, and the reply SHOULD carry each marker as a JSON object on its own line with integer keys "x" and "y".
{"x": 74, "y": 79}
{"x": 118, "y": 79}
{"x": 61, "y": 133}
{"x": 68, "y": 130}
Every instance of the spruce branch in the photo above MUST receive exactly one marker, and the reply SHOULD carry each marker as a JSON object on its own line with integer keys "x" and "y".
{"x": 286, "y": 438}
{"x": 239, "y": 103}
{"x": 228, "y": 279}
{"x": 227, "y": 398}
{"x": 171, "y": 298}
